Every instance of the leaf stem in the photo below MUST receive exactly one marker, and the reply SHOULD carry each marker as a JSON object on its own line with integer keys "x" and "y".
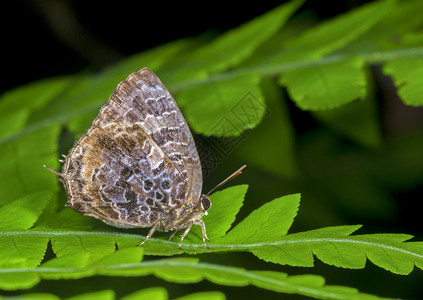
{"x": 214, "y": 247}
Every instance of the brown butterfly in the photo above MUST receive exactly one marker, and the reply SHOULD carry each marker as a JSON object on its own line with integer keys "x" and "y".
{"x": 137, "y": 165}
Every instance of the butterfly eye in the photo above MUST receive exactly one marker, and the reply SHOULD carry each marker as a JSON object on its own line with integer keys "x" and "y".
{"x": 205, "y": 203}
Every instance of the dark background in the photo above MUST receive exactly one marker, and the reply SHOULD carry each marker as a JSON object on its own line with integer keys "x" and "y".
{"x": 47, "y": 38}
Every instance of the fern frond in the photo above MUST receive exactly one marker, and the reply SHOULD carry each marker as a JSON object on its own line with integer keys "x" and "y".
{"x": 263, "y": 233}
{"x": 189, "y": 271}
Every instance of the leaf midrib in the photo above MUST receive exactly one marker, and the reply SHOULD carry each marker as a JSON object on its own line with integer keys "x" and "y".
{"x": 215, "y": 247}
{"x": 372, "y": 57}
{"x": 273, "y": 69}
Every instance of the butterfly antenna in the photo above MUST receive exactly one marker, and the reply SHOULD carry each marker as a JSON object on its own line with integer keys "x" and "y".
{"x": 54, "y": 171}
{"x": 230, "y": 177}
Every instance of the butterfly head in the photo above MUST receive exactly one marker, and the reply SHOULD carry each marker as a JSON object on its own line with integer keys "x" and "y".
{"x": 205, "y": 203}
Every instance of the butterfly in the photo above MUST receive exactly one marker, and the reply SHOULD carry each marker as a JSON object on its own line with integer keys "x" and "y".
{"x": 137, "y": 165}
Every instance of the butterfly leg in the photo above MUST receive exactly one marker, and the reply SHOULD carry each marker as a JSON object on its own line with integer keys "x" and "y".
{"x": 150, "y": 233}
{"x": 203, "y": 229}
{"x": 173, "y": 234}
{"x": 184, "y": 234}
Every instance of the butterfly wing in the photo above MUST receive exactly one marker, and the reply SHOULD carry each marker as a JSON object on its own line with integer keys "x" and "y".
{"x": 137, "y": 160}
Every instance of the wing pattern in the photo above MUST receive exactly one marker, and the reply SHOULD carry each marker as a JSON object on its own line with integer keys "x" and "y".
{"x": 138, "y": 159}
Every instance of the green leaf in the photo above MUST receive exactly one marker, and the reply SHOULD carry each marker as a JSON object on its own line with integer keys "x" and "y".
{"x": 35, "y": 296}
{"x": 16, "y": 280}
{"x": 343, "y": 29}
{"x": 326, "y": 86}
{"x": 333, "y": 246}
{"x": 100, "y": 295}
{"x": 204, "y": 296}
{"x": 22, "y": 162}
{"x": 71, "y": 267}
{"x": 331, "y": 35}
{"x": 158, "y": 293}
{"x": 95, "y": 247}
{"x": 224, "y": 108}
{"x": 28, "y": 208}
{"x": 232, "y": 47}
{"x": 123, "y": 256}
{"x": 29, "y": 250}
{"x": 271, "y": 221}
{"x": 25, "y": 250}
{"x": 303, "y": 255}
{"x": 17, "y": 104}
{"x": 66, "y": 220}
{"x": 407, "y": 73}
{"x": 12, "y": 122}
{"x": 395, "y": 23}
{"x": 388, "y": 254}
